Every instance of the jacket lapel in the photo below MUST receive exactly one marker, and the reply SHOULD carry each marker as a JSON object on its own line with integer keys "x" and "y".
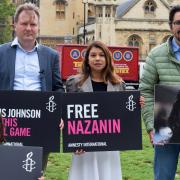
{"x": 42, "y": 57}
{"x": 11, "y": 58}
{"x": 110, "y": 87}
{"x": 87, "y": 85}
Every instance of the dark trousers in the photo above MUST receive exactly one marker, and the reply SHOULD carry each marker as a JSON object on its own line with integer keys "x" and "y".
{"x": 166, "y": 161}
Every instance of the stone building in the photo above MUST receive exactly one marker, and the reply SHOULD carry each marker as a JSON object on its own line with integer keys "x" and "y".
{"x": 60, "y": 21}
{"x": 142, "y": 23}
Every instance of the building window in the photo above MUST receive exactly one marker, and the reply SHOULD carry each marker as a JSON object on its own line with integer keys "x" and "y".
{"x": 108, "y": 12}
{"x": 99, "y": 12}
{"x": 18, "y": 2}
{"x": 134, "y": 41}
{"x": 60, "y": 10}
{"x": 149, "y": 7}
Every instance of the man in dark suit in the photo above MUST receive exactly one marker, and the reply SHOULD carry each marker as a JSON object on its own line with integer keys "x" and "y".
{"x": 25, "y": 64}
{"x": 42, "y": 72}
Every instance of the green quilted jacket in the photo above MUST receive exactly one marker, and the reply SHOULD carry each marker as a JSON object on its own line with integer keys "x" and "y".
{"x": 161, "y": 67}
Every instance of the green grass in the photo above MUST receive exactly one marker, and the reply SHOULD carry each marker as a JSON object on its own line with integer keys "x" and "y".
{"x": 136, "y": 165}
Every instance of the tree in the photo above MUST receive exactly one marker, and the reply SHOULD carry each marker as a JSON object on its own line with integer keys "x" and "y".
{"x": 7, "y": 10}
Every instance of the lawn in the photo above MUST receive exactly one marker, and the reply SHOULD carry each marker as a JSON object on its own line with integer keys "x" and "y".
{"x": 136, "y": 165}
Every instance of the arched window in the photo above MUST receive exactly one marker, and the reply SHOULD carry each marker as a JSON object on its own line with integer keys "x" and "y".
{"x": 108, "y": 11}
{"x": 150, "y": 7}
{"x": 99, "y": 12}
{"x": 134, "y": 40}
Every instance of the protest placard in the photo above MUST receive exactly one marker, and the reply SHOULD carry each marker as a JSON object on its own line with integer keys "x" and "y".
{"x": 101, "y": 121}
{"x": 32, "y": 118}
{"x": 20, "y": 162}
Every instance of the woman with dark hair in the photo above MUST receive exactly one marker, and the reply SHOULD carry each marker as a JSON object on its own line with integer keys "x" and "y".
{"x": 97, "y": 75}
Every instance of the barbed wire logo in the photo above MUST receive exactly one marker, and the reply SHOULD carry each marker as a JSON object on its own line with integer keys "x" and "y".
{"x": 29, "y": 163}
{"x": 130, "y": 105}
{"x": 51, "y": 105}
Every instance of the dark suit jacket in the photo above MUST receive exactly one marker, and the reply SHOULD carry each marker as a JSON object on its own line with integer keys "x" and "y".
{"x": 49, "y": 68}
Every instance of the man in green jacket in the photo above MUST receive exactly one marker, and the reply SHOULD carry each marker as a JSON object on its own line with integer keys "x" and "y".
{"x": 162, "y": 67}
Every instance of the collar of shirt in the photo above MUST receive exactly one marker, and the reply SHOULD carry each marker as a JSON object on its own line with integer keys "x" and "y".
{"x": 16, "y": 43}
{"x": 175, "y": 46}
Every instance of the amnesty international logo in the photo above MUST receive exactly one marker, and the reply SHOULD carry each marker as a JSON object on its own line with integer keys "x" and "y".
{"x": 51, "y": 105}
{"x": 29, "y": 163}
{"x": 130, "y": 104}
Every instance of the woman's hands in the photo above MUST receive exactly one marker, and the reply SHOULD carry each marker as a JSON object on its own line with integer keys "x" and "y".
{"x": 79, "y": 152}
{"x": 41, "y": 178}
{"x": 151, "y": 136}
{"x": 142, "y": 101}
{"x": 61, "y": 124}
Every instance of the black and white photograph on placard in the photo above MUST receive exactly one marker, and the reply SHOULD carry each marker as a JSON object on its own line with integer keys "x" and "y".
{"x": 167, "y": 114}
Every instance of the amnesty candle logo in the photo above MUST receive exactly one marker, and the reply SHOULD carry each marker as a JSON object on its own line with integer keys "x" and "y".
{"x": 29, "y": 163}
{"x": 131, "y": 105}
{"x": 51, "y": 105}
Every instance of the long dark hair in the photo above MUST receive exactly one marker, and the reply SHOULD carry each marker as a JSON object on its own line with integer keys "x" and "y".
{"x": 2, "y": 138}
{"x": 108, "y": 72}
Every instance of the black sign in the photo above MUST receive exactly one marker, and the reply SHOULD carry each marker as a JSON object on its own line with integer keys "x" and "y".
{"x": 20, "y": 163}
{"x": 102, "y": 121}
{"x": 32, "y": 118}
{"x": 167, "y": 114}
